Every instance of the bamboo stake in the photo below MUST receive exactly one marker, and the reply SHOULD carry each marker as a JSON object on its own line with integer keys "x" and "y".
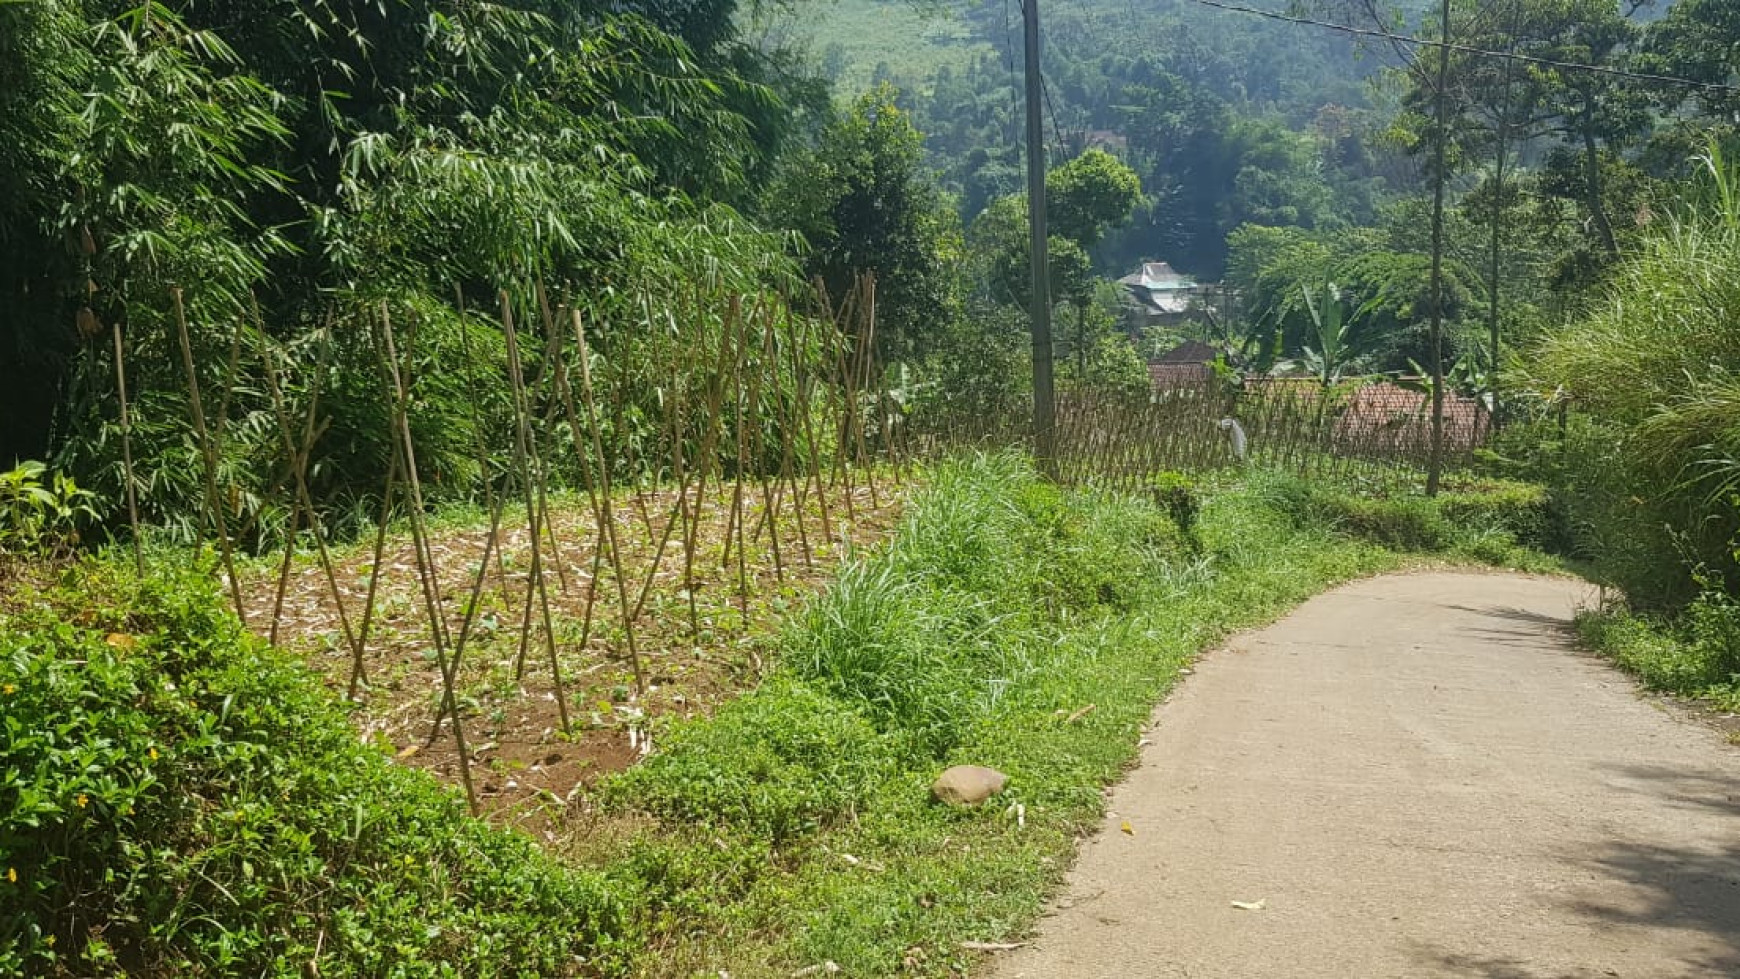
{"x": 788, "y": 403}
{"x": 388, "y": 491}
{"x": 736, "y": 520}
{"x": 299, "y": 467}
{"x": 426, "y": 570}
{"x": 523, "y": 460}
{"x": 605, "y": 516}
{"x": 867, "y": 366}
{"x": 769, "y": 496}
{"x": 704, "y": 463}
{"x": 678, "y": 510}
{"x": 495, "y": 506}
{"x": 805, "y": 385}
{"x": 553, "y": 354}
{"x": 127, "y": 451}
{"x": 206, "y": 450}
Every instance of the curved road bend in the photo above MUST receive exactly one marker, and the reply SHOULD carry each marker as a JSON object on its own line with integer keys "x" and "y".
{"x": 1411, "y": 776}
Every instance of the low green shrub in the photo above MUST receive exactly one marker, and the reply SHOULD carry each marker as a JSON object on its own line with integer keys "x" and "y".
{"x": 1493, "y": 521}
{"x": 178, "y": 799}
{"x": 778, "y": 762}
{"x": 1695, "y": 653}
{"x": 40, "y": 512}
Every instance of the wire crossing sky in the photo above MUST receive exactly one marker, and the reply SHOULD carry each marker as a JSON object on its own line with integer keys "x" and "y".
{"x": 1469, "y": 49}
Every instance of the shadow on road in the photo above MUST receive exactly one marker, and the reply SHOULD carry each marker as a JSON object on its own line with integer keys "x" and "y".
{"x": 1691, "y": 888}
{"x": 1534, "y": 626}
{"x": 1679, "y": 887}
{"x": 1442, "y": 962}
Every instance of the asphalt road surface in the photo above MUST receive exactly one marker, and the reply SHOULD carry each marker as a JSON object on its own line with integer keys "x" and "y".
{"x": 1414, "y": 775}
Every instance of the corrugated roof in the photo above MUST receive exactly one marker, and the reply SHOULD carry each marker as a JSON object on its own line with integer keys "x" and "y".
{"x": 1189, "y": 352}
{"x": 1389, "y": 411}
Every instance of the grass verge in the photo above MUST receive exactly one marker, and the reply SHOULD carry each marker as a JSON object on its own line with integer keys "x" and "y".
{"x": 175, "y": 798}
{"x": 1693, "y": 654}
{"x": 1008, "y": 624}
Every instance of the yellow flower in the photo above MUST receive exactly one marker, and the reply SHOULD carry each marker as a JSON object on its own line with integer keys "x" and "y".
{"x": 9, "y": 688}
{"x": 83, "y": 800}
{"x": 153, "y": 754}
{"x": 11, "y": 875}
{"x": 49, "y": 941}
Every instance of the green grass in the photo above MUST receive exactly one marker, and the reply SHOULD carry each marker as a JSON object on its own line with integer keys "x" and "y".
{"x": 1695, "y": 653}
{"x": 795, "y": 827}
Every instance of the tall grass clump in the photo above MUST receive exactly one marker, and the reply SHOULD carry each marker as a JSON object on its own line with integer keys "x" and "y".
{"x": 924, "y": 637}
{"x": 1650, "y": 470}
{"x": 178, "y": 799}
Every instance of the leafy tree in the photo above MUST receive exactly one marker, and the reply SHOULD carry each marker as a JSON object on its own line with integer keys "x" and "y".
{"x": 1700, "y": 40}
{"x": 861, "y": 199}
{"x": 1088, "y": 195}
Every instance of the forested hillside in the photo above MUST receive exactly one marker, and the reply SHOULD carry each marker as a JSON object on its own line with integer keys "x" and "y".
{"x": 1226, "y": 118}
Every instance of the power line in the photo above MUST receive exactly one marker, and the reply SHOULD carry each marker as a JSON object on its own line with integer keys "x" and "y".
{"x": 1051, "y": 108}
{"x": 1469, "y": 49}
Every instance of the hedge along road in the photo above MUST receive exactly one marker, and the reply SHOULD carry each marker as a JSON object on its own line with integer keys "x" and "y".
{"x": 1414, "y": 775}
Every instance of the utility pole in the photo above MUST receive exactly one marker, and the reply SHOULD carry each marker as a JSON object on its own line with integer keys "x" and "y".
{"x": 1494, "y": 314}
{"x": 1435, "y": 466}
{"x": 1044, "y": 407}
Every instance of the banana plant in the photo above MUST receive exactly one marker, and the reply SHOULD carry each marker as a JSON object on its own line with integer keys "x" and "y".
{"x": 1333, "y": 324}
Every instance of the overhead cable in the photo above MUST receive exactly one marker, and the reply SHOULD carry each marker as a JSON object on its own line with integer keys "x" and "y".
{"x": 1470, "y": 49}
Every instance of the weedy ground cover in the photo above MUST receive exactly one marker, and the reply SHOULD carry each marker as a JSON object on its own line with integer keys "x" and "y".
{"x": 703, "y": 634}
{"x": 1695, "y": 653}
{"x": 197, "y": 803}
{"x": 177, "y": 798}
{"x": 1007, "y": 623}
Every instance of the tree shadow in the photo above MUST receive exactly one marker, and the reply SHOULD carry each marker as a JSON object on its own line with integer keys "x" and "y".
{"x": 1512, "y": 613}
{"x": 1708, "y": 789}
{"x": 1538, "y": 628}
{"x": 1454, "y": 963}
{"x": 1687, "y": 887}
{"x": 1678, "y": 889}
{"x": 1671, "y": 885}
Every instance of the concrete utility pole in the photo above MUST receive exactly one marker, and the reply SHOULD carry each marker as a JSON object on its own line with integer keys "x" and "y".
{"x": 1494, "y": 314}
{"x": 1435, "y": 467}
{"x": 1044, "y": 406}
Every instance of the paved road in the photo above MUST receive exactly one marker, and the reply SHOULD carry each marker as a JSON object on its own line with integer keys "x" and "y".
{"x": 1415, "y": 776}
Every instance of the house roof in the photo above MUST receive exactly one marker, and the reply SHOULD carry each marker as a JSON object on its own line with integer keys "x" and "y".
{"x": 1189, "y": 352}
{"x": 1406, "y": 413}
{"x": 1172, "y": 377}
{"x": 1160, "y": 275}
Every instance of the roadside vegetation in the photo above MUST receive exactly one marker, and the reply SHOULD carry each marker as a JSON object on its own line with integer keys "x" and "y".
{"x": 182, "y": 799}
{"x": 1006, "y": 622}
